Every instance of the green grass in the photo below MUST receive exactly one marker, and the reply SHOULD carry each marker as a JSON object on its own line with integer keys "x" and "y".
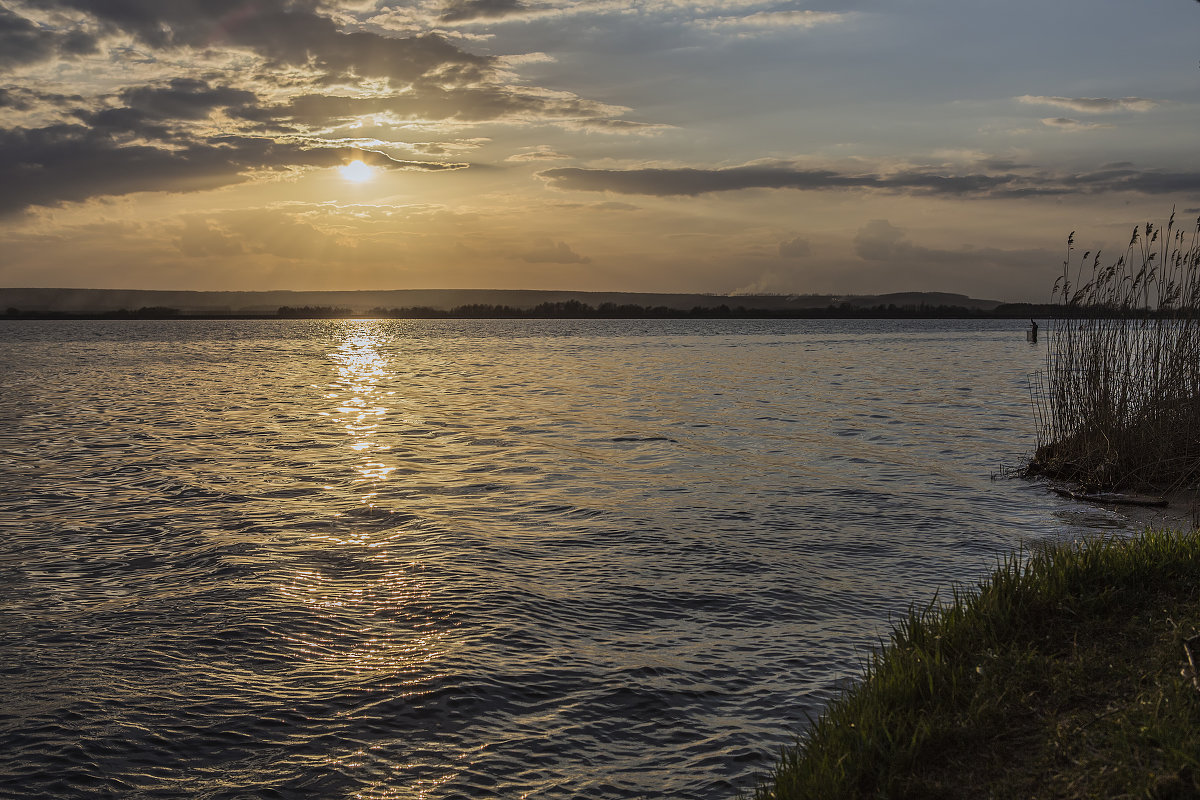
{"x": 1058, "y": 677}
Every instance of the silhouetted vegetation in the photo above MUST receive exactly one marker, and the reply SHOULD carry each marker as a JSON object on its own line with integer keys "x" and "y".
{"x": 155, "y": 312}
{"x": 312, "y": 312}
{"x": 1118, "y": 404}
{"x": 145, "y": 312}
{"x": 574, "y": 309}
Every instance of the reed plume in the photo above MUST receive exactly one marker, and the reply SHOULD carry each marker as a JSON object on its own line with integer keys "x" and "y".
{"x": 1118, "y": 403}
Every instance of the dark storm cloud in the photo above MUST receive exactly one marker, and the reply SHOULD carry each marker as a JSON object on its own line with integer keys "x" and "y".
{"x": 19, "y": 98}
{"x": 466, "y": 10}
{"x": 691, "y": 182}
{"x": 116, "y": 121}
{"x": 151, "y": 111}
{"x": 282, "y": 31}
{"x": 22, "y": 42}
{"x": 184, "y": 98}
{"x": 71, "y": 163}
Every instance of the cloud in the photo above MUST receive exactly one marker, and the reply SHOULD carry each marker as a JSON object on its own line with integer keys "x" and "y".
{"x": 189, "y": 132}
{"x": 880, "y": 240}
{"x": 604, "y": 206}
{"x": 689, "y": 182}
{"x": 154, "y": 112}
{"x": 21, "y": 98}
{"x": 22, "y": 42}
{"x": 773, "y": 20}
{"x": 71, "y": 163}
{"x": 184, "y": 98}
{"x": 281, "y": 31}
{"x": 1068, "y": 124}
{"x": 1092, "y": 105}
{"x": 795, "y": 248}
{"x": 429, "y": 101}
{"x": 618, "y": 126}
{"x": 466, "y": 10}
{"x": 714, "y": 15}
{"x": 446, "y": 148}
{"x": 548, "y": 252}
{"x": 181, "y": 132}
{"x": 540, "y": 152}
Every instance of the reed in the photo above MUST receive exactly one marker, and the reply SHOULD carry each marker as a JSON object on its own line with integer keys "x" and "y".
{"x": 1118, "y": 403}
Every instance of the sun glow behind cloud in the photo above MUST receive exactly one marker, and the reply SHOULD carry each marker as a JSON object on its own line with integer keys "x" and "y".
{"x": 357, "y": 172}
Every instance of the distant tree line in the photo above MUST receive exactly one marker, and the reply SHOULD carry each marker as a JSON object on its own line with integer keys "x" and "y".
{"x": 313, "y": 312}
{"x": 145, "y": 312}
{"x": 575, "y": 309}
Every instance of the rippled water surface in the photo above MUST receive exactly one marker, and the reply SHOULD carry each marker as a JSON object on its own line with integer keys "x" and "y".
{"x": 444, "y": 559}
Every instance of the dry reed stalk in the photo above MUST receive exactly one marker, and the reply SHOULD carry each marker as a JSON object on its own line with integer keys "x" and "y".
{"x": 1118, "y": 404}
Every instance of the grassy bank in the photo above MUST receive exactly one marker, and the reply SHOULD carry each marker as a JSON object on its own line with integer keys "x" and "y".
{"x": 1058, "y": 677}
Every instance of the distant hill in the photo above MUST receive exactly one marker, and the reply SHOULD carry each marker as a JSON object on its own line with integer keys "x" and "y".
{"x": 100, "y": 301}
{"x": 905, "y": 299}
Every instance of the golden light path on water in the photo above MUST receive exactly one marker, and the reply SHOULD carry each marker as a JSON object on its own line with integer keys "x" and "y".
{"x": 353, "y": 636}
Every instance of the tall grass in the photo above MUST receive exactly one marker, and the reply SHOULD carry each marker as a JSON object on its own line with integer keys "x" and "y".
{"x": 1118, "y": 404}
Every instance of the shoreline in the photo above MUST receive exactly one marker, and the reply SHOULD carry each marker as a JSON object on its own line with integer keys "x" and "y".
{"x": 718, "y": 312}
{"x": 1057, "y": 676}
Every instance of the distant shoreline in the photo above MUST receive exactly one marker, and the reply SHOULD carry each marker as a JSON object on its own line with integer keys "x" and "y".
{"x": 451, "y": 302}
{"x": 569, "y": 310}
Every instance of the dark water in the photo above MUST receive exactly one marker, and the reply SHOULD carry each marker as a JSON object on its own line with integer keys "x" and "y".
{"x": 552, "y": 559}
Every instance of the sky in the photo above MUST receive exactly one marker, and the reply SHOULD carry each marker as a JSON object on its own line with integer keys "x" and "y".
{"x": 724, "y": 146}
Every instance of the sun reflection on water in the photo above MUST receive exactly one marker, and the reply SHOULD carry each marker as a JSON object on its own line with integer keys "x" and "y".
{"x": 361, "y": 369}
{"x": 366, "y": 602}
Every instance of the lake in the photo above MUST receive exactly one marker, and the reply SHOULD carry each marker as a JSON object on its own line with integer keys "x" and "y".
{"x": 461, "y": 559}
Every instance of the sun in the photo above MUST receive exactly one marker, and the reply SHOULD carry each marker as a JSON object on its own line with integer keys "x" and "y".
{"x": 357, "y": 172}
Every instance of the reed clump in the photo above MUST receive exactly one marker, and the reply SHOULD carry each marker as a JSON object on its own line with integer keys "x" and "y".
{"x": 1059, "y": 676}
{"x": 1118, "y": 404}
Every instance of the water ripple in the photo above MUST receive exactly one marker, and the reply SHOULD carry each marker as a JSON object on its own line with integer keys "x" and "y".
{"x": 452, "y": 559}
